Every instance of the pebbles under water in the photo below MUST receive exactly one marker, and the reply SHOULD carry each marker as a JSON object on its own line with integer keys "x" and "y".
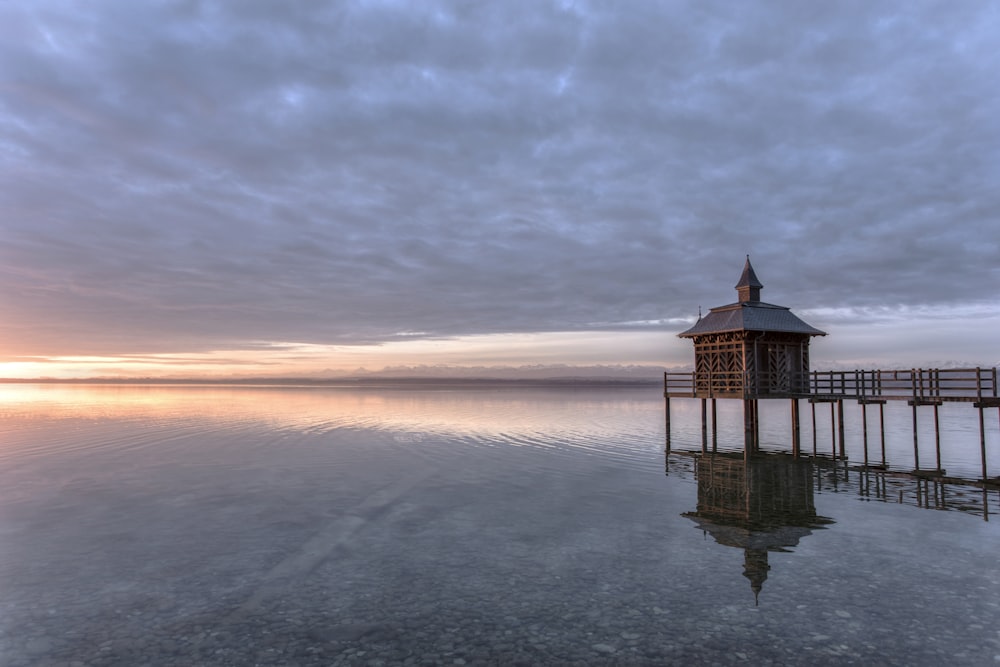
{"x": 252, "y": 526}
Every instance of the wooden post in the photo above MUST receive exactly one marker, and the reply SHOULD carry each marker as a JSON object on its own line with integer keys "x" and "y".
{"x": 982, "y": 424}
{"x": 864, "y": 429}
{"x": 756, "y": 425}
{"x": 704, "y": 425}
{"x": 982, "y": 440}
{"x": 881, "y": 427}
{"x": 715, "y": 430}
{"x": 916, "y": 443}
{"x": 666, "y": 410}
{"x": 812, "y": 407}
{"x": 795, "y": 428}
{"x": 833, "y": 434}
{"x": 840, "y": 427}
{"x": 747, "y": 426}
{"x": 937, "y": 437}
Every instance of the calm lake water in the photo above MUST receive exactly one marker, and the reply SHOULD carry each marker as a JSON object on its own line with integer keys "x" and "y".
{"x": 325, "y": 526}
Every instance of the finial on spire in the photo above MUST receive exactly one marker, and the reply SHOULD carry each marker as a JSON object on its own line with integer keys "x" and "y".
{"x": 749, "y": 286}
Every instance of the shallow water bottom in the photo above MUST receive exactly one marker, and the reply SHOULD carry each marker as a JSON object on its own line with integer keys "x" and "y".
{"x": 254, "y": 541}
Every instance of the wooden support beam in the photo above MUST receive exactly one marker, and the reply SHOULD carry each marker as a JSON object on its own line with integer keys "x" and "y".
{"x": 704, "y": 425}
{"x": 748, "y": 429}
{"x": 833, "y": 434}
{"x": 864, "y": 430}
{"x": 881, "y": 428}
{"x": 937, "y": 437}
{"x": 715, "y": 428}
{"x": 666, "y": 411}
{"x": 982, "y": 442}
{"x": 812, "y": 406}
{"x": 796, "y": 444}
{"x": 756, "y": 425}
{"x": 840, "y": 428}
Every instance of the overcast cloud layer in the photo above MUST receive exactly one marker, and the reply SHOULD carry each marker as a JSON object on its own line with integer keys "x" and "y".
{"x": 188, "y": 176}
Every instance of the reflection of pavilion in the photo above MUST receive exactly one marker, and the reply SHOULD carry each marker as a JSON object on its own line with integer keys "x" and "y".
{"x": 759, "y": 504}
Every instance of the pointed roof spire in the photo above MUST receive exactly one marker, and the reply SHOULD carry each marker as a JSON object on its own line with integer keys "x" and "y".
{"x": 749, "y": 286}
{"x": 749, "y": 278}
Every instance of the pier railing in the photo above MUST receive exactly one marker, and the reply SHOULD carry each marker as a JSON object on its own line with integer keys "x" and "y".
{"x": 919, "y": 385}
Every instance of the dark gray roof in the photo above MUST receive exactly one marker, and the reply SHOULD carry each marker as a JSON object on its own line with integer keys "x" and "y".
{"x": 750, "y": 316}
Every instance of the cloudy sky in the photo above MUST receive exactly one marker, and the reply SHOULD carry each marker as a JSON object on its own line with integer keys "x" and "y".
{"x": 272, "y": 187}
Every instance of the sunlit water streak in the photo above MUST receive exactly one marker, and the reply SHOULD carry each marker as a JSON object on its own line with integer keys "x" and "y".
{"x": 317, "y": 526}
{"x": 171, "y": 419}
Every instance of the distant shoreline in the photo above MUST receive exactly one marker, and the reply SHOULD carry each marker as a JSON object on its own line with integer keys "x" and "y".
{"x": 576, "y": 382}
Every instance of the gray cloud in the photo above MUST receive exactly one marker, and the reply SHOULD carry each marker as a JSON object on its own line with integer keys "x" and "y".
{"x": 197, "y": 175}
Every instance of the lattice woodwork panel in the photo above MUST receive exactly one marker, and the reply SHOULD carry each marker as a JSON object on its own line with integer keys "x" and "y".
{"x": 779, "y": 365}
{"x": 719, "y": 363}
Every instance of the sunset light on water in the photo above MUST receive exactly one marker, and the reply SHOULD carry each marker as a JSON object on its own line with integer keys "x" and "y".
{"x": 379, "y": 333}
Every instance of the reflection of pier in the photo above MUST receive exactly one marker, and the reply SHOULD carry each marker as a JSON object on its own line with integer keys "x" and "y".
{"x": 751, "y": 350}
{"x": 869, "y": 483}
{"x": 764, "y": 503}
{"x": 759, "y": 504}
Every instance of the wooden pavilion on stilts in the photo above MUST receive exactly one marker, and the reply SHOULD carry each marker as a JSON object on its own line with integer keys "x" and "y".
{"x": 750, "y": 350}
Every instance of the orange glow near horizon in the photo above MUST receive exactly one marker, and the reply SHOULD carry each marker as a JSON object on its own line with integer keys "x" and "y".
{"x": 301, "y": 359}
{"x": 914, "y": 340}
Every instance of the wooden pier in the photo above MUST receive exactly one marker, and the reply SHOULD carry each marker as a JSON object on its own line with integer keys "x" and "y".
{"x": 919, "y": 387}
{"x": 752, "y": 350}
